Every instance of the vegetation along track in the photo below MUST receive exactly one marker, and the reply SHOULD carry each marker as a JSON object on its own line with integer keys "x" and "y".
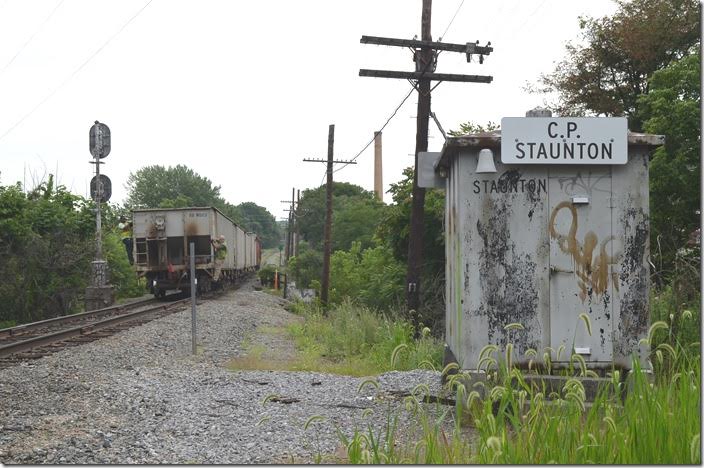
{"x": 38, "y": 339}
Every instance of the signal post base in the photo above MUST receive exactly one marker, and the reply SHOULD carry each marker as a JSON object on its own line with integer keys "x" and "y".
{"x": 98, "y": 297}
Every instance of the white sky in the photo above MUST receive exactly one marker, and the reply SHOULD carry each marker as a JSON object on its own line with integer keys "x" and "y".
{"x": 242, "y": 91}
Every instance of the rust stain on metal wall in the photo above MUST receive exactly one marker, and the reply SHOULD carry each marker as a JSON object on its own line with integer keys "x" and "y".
{"x": 191, "y": 229}
{"x": 593, "y": 271}
{"x": 151, "y": 230}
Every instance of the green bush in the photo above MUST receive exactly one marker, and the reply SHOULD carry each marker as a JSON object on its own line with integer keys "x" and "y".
{"x": 122, "y": 276}
{"x": 306, "y": 267}
{"x": 45, "y": 243}
{"x": 266, "y": 274}
{"x": 683, "y": 318}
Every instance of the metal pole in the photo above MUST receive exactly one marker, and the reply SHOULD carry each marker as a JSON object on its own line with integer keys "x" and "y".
{"x": 99, "y": 194}
{"x": 193, "y": 295}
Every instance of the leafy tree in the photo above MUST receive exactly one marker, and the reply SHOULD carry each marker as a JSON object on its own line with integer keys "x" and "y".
{"x": 606, "y": 75}
{"x": 172, "y": 187}
{"x": 257, "y": 219}
{"x": 179, "y": 187}
{"x": 355, "y": 220}
{"x": 306, "y": 267}
{"x": 471, "y": 127}
{"x": 355, "y": 214}
{"x": 371, "y": 277}
{"x": 672, "y": 108}
{"x": 394, "y": 231}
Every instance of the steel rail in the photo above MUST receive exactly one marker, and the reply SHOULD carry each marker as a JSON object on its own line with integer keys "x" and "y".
{"x": 69, "y": 318}
{"x": 82, "y": 330}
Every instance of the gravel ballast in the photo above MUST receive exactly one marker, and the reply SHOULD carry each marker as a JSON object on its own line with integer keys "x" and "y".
{"x": 141, "y": 397}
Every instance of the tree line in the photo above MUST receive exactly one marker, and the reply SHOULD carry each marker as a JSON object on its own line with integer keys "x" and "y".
{"x": 47, "y": 238}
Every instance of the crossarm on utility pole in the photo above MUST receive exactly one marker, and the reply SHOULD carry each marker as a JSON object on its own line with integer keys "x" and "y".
{"x": 425, "y": 76}
{"x": 469, "y": 47}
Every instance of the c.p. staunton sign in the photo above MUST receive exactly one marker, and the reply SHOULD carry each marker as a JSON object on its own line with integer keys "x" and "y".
{"x": 564, "y": 140}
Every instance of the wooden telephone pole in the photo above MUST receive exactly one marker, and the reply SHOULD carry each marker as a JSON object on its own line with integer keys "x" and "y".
{"x": 296, "y": 233}
{"x": 425, "y": 56}
{"x": 378, "y": 176}
{"x": 292, "y": 222}
{"x": 327, "y": 243}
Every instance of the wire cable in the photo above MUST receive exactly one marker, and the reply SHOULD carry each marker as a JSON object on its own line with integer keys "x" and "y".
{"x": 324, "y": 174}
{"x": 76, "y": 71}
{"x": 393, "y": 114}
{"x": 451, "y": 21}
{"x": 527, "y": 18}
{"x": 41, "y": 26}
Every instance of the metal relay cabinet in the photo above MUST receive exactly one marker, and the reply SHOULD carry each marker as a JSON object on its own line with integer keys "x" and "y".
{"x": 539, "y": 244}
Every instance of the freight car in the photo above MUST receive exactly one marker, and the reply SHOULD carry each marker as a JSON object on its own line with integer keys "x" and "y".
{"x": 161, "y": 240}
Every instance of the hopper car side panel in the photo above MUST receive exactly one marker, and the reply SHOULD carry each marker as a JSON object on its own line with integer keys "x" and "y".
{"x": 240, "y": 246}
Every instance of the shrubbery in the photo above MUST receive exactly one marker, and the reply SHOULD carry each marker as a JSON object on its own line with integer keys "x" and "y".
{"x": 371, "y": 277}
{"x": 266, "y": 274}
{"x": 46, "y": 244}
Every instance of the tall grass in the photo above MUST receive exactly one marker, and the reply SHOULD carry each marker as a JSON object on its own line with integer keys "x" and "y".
{"x": 358, "y": 341}
{"x": 632, "y": 420}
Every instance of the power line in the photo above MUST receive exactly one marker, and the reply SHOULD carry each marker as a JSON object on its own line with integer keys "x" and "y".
{"x": 41, "y": 26}
{"x": 527, "y": 18}
{"x": 76, "y": 71}
{"x": 453, "y": 19}
{"x": 393, "y": 114}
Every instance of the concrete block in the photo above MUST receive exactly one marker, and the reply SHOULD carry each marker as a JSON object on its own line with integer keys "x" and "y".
{"x": 98, "y": 297}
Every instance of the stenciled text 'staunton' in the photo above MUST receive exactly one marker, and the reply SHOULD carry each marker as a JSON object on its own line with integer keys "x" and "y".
{"x": 510, "y": 186}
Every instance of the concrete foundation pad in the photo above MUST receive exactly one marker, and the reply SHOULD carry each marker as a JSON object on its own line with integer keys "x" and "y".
{"x": 98, "y": 297}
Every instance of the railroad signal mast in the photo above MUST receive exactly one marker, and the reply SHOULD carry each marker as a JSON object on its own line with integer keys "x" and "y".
{"x": 425, "y": 55}
{"x": 99, "y": 294}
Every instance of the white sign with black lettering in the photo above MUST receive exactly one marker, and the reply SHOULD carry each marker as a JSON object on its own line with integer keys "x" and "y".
{"x": 564, "y": 140}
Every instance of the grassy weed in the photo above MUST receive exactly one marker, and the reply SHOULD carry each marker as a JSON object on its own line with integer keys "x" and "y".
{"x": 657, "y": 421}
{"x": 357, "y": 341}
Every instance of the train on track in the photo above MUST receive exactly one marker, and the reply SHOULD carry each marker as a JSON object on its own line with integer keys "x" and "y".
{"x": 161, "y": 240}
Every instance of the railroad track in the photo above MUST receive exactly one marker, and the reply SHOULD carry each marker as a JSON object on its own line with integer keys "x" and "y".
{"x": 35, "y": 340}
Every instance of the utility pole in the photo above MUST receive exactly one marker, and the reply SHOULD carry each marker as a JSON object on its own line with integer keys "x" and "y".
{"x": 287, "y": 254}
{"x": 291, "y": 224}
{"x": 327, "y": 233}
{"x": 378, "y": 183}
{"x": 293, "y": 221}
{"x": 425, "y": 57}
{"x": 297, "y": 231}
{"x": 415, "y": 239}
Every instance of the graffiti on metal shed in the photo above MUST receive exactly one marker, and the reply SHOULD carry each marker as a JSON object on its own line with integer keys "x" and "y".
{"x": 593, "y": 271}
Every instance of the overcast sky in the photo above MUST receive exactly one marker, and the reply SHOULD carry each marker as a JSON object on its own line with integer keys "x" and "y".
{"x": 242, "y": 91}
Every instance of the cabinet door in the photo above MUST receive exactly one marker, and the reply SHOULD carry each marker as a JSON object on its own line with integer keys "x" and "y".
{"x": 581, "y": 262}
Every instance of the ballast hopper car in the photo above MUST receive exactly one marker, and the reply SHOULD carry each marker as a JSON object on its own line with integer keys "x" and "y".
{"x": 161, "y": 240}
